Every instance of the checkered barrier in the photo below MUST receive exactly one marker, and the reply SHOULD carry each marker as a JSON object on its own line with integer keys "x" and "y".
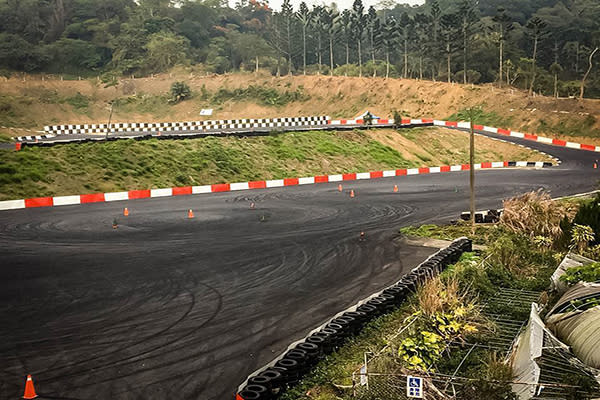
{"x": 187, "y": 126}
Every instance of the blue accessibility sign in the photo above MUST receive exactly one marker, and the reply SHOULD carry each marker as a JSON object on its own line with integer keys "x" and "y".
{"x": 414, "y": 387}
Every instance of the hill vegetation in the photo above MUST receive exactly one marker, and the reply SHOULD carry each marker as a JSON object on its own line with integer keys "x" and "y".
{"x": 538, "y": 45}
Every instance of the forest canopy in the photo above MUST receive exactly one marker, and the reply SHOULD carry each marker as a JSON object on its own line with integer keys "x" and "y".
{"x": 539, "y": 45}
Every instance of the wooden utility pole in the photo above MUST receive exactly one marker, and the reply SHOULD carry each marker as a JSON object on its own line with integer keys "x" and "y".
{"x": 472, "y": 169}
{"x": 109, "y": 119}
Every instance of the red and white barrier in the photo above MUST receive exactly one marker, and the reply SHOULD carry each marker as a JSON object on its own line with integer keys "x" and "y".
{"x": 526, "y": 136}
{"x": 466, "y": 125}
{"x": 228, "y": 187}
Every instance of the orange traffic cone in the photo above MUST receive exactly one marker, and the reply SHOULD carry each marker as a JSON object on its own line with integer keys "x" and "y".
{"x": 29, "y": 389}
{"x": 340, "y": 187}
{"x": 351, "y": 193}
{"x": 190, "y": 213}
{"x": 596, "y": 164}
{"x": 126, "y": 211}
{"x": 252, "y": 206}
{"x": 395, "y": 188}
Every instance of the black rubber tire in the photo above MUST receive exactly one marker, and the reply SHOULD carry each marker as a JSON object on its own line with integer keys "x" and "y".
{"x": 263, "y": 391}
{"x": 249, "y": 395}
{"x": 359, "y": 317}
{"x": 260, "y": 380}
{"x": 312, "y": 350}
{"x": 275, "y": 378}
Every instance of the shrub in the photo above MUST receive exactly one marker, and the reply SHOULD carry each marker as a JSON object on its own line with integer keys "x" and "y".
{"x": 444, "y": 313}
{"x": 584, "y": 273}
{"x": 179, "y": 92}
{"x": 534, "y": 214}
{"x": 78, "y": 101}
{"x": 589, "y": 215}
{"x": 581, "y": 236}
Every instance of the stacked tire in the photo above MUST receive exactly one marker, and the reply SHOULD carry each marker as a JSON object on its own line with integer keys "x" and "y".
{"x": 297, "y": 361}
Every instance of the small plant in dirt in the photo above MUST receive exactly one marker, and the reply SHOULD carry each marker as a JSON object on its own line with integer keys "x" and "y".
{"x": 180, "y": 91}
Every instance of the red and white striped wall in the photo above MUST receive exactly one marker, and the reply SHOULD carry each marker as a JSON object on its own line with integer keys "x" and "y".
{"x": 230, "y": 187}
{"x": 527, "y": 136}
{"x": 466, "y": 125}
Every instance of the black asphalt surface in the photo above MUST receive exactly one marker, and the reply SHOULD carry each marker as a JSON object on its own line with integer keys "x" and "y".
{"x": 165, "y": 307}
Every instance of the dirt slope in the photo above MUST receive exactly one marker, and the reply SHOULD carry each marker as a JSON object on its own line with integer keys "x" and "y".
{"x": 33, "y": 102}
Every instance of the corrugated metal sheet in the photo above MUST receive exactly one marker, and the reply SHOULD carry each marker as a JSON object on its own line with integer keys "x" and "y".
{"x": 528, "y": 349}
{"x": 581, "y": 330}
{"x": 581, "y": 290}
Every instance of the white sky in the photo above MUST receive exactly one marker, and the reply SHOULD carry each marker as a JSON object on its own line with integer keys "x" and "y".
{"x": 342, "y": 4}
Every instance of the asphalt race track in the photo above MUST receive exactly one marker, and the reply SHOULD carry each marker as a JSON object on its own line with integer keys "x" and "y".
{"x": 166, "y": 307}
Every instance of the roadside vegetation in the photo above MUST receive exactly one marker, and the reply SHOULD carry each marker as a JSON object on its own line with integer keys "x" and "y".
{"x": 435, "y": 329}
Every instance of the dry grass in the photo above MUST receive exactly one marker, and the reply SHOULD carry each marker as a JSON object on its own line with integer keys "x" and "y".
{"x": 31, "y": 103}
{"x": 441, "y": 295}
{"x": 535, "y": 214}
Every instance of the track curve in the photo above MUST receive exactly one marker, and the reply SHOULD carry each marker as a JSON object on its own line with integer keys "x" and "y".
{"x": 167, "y": 307}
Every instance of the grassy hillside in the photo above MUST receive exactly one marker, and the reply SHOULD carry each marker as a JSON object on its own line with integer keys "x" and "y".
{"x": 129, "y": 164}
{"x": 33, "y": 103}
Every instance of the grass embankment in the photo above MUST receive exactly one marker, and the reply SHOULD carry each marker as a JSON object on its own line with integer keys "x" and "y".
{"x": 130, "y": 164}
{"x": 463, "y": 305}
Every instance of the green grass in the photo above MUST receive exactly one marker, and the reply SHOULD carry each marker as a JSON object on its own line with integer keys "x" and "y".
{"x": 482, "y": 117}
{"x": 130, "y": 164}
{"x": 483, "y": 234}
{"x": 571, "y": 127}
{"x": 261, "y": 94}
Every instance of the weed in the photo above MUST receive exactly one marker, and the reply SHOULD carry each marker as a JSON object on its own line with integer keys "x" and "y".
{"x": 79, "y": 101}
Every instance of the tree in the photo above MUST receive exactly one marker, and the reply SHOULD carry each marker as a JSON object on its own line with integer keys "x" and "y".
{"x": 330, "y": 19}
{"x": 556, "y": 69}
{"x": 346, "y": 28}
{"x": 590, "y": 65}
{"x": 466, "y": 10}
{"x": 287, "y": 13}
{"x": 388, "y": 39}
{"x": 373, "y": 30}
{"x": 536, "y": 29}
{"x": 166, "y": 49}
{"x": 449, "y": 33}
{"x": 304, "y": 16}
{"x": 435, "y": 16}
{"x": 406, "y": 24}
{"x": 319, "y": 24}
{"x": 358, "y": 27}
{"x": 422, "y": 25}
{"x": 505, "y": 25}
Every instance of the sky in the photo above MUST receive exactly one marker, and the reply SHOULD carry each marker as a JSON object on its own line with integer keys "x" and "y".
{"x": 342, "y": 4}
